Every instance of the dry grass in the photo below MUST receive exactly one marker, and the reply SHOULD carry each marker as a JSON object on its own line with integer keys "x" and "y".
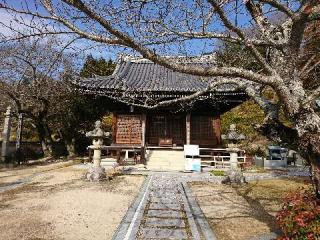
{"x": 241, "y": 213}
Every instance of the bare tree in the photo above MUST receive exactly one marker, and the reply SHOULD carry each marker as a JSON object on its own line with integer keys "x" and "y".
{"x": 156, "y": 28}
{"x": 30, "y": 76}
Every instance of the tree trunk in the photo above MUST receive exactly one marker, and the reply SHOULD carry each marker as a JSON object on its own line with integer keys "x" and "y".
{"x": 45, "y": 143}
{"x": 310, "y": 147}
{"x": 308, "y": 127}
{"x": 315, "y": 176}
{"x": 71, "y": 148}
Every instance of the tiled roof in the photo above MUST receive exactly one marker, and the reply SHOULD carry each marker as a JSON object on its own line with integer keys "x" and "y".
{"x": 144, "y": 75}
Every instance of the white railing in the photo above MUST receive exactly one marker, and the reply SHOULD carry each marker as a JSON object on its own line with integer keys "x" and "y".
{"x": 219, "y": 157}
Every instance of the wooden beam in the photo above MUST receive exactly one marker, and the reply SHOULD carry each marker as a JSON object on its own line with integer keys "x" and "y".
{"x": 188, "y": 128}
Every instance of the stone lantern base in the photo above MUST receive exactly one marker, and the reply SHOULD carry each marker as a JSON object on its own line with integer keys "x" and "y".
{"x": 234, "y": 176}
{"x": 95, "y": 173}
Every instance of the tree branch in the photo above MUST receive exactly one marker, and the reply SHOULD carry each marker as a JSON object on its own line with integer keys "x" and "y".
{"x": 281, "y": 7}
{"x": 238, "y": 31}
{"x": 312, "y": 97}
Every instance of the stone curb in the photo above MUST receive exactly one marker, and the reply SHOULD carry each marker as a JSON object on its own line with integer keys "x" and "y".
{"x": 128, "y": 219}
{"x": 270, "y": 236}
{"x": 198, "y": 214}
{"x": 191, "y": 220}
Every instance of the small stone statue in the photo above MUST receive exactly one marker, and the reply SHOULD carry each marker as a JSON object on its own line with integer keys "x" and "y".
{"x": 96, "y": 172}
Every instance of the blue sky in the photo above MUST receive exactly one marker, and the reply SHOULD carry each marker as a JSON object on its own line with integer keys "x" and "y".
{"x": 194, "y": 47}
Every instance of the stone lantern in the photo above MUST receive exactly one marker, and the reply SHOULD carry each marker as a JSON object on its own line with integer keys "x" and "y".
{"x": 96, "y": 172}
{"x": 233, "y": 138}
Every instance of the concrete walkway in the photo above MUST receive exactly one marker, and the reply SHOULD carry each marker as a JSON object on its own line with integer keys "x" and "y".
{"x": 164, "y": 210}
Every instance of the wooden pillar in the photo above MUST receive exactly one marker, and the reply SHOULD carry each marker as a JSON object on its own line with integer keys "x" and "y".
{"x": 143, "y": 138}
{"x": 217, "y": 130}
{"x": 6, "y": 135}
{"x": 188, "y": 129}
{"x": 143, "y": 130}
{"x": 114, "y": 128}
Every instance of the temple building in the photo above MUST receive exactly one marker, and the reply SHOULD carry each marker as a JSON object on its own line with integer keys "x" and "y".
{"x": 137, "y": 82}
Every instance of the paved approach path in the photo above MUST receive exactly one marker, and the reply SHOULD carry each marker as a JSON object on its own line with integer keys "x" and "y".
{"x": 166, "y": 209}
{"x": 163, "y": 211}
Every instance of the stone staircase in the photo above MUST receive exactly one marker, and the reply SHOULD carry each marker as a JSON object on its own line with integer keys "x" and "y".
{"x": 108, "y": 162}
{"x": 165, "y": 160}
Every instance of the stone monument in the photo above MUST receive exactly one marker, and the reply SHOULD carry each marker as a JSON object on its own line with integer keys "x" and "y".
{"x": 6, "y": 135}
{"x": 96, "y": 172}
{"x": 233, "y": 138}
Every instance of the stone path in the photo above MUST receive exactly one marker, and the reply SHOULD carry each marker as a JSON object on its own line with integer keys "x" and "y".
{"x": 163, "y": 213}
{"x": 167, "y": 215}
{"x": 166, "y": 209}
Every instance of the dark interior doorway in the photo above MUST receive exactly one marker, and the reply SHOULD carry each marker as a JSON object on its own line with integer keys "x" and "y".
{"x": 165, "y": 130}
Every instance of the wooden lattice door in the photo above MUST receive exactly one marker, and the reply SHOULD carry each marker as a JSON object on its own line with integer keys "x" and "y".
{"x": 165, "y": 127}
{"x": 129, "y": 129}
{"x": 203, "y": 131}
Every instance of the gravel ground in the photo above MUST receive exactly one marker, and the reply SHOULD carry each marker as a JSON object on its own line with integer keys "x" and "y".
{"x": 16, "y": 174}
{"x": 58, "y": 205}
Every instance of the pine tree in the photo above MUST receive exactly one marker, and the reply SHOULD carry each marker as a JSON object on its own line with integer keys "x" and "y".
{"x": 100, "y": 67}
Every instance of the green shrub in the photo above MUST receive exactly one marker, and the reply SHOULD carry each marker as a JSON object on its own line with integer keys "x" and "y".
{"x": 217, "y": 172}
{"x": 299, "y": 217}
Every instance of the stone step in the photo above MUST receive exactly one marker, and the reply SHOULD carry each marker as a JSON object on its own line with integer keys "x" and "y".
{"x": 170, "y": 160}
{"x": 153, "y": 233}
{"x": 159, "y": 206}
{"x": 108, "y": 162}
{"x": 164, "y": 165}
{"x": 166, "y": 156}
{"x": 164, "y": 214}
{"x": 174, "y": 222}
{"x": 165, "y": 160}
{"x": 166, "y": 169}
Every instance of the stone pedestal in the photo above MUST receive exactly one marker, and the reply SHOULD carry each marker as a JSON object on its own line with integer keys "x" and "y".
{"x": 233, "y": 150}
{"x": 96, "y": 172}
{"x": 233, "y": 160}
{"x": 96, "y": 157}
{"x": 97, "y": 144}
